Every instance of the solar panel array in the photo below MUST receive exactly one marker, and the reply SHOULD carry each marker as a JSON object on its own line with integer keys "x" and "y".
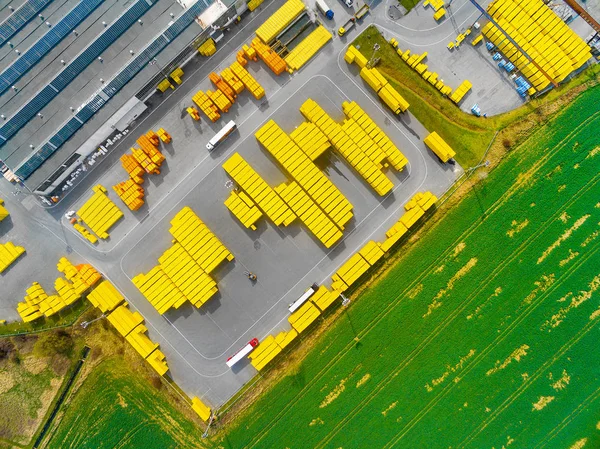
{"x": 46, "y": 43}
{"x": 20, "y": 18}
{"x": 112, "y": 88}
{"x": 70, "y": 72}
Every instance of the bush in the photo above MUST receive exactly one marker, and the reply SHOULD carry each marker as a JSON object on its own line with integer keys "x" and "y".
{"x": 506, "y": 143}
{"x": 6, "y": 348}
{"x": 51, "y": 343}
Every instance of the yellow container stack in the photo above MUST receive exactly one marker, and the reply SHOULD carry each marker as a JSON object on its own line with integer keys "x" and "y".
{"x": 344, "y": 145}
{"x": 353, "y": 55}
{"x": 202, "y": 410}
{"x": 304, "y": 316}
{"x": 276, "y": 23}
{"x": 232, "y": 80}
{"x": 306, "y": 49}
{"x": 550, "y": 42}
{"x": 208, "y": 47}
{"x": 461, "y": 91}
{"x": 9, "y": 252}
{"x": 105, "y": 297}
{"x": 245, "y": 210}
{"x": 258, "y": 190}
{"x": 264, "y": 352}
{"x": 206, "y": 105}
{"x": 99, "y": 213}
{"x": 439, "y": 146}
{"x": 159, "y": 290}
{"x": 305, "y": 173}
{"x": 3, "y": 212}
{"x": 393, "y": 155}
{"x": 310, "y": 139}
{"x": 124, "y": 320}
{"x": 248, "y": 80}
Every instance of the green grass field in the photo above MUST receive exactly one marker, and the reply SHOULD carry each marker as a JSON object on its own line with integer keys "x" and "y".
{"x": 484, "y": 335}
{"x": 117, "y": 408}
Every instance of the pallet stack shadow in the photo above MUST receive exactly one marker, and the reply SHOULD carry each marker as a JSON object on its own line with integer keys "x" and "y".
{"x": 146, "y": 159}
{"x": 346, "y": 276}
{"x": 232, "y": 80}
{"x": 183, "y": 273}
{"x": 9, "y": 252}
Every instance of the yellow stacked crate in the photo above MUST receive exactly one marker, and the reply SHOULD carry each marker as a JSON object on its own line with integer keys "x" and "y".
{"x": 105, "y": 297}
{"x": 232, "y": 80}
{"x": 364, "y": 142}
{"x": 157, "y": 361}
{"x": 257, "y": 189}
{"x": 304, "y": 316}
{"x": 159, "y": 290}
{"x": 323, "y": 297}
{"x": 439, "y": 147}
{"x": 195, "y": 237}
{"x": 279, "y": 20}
{"x": 353, "y": 55}
{"x": 411, "y": 216}
{"x": 124, "y": 320}
{"x": 266, "y": 351}
{"x": 347, "y": 148}
{"x": 371, "y": 252}
{"x": 425, "y": 200}
{"x": 394, "y": 156}
{"x": 310, "y": 139}
{"x": 208, "y": 48}
{"x": 85, "y": 233}
{"x": 140, "y": 341}
{"x": 245, "y": 210}
{"x": 461, "y": 91}
{"x": 307, "y": 48}
{"x": 206, "y": 105}
{"x": 67, "y": 291}
{"x": 3, "y": 212}
{"x": 285, "y": 338}
{"x": 99, "y": 213}
{"x": 202, "y": 410}
{"x": 9, "y": 252}
{"x": 310, "y": 214}
{"x": 352, "y": 269}
{"x": 248, "y": 80}
{"x": 253, "y": 4}
{"x": 219, "y": 99}
{"x": 305, "y": 173}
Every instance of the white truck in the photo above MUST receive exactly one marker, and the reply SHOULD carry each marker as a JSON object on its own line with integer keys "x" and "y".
{"x": 221, "y": 135}
{"x": 325, "y": 9}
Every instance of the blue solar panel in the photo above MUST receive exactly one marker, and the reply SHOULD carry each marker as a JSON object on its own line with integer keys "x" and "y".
{"x": 46, "y": 43}
{"x": 118, "y": 82}
{"x": 20, "y": 18}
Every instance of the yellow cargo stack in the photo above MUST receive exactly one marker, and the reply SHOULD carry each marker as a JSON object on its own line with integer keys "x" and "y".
{"x": 159, "y": 290}
{"x": 439, "y": 146}
{"x": 306, "y": 49}
{"x": 248, "y": 80}
{"x": 244, "y": 209}
{"x": 157, "y": 361}
{"x": 219, "y": 99}
{"x": 99, "y": 213}
{"x": 371, "y": 252}
{"x": 425, "y": 200}
{"x": 206, "y": 106}
{"x": 257, "y": 189}
{"x": 199, "y": 241}
{"x": 208, "y": 48}
{"x": 312, "y": 216}
{"x": 3, "y": 212}
{"x": 364, "y": 142}
{"x": 347, "y": 148}
{"x": 461, "y": 91}
{"x": 310, "y": 139}
{"x": 352, "y": 55}
{"x": 393, "y": 99}
{"x": 9, "y": 253}
{"x": 352, "y": 269}
{"x": 85, "y": 233}
{"x": 202, "y": 410}
{"x": 323, "y": 298}
{"x": 140, "y": 341}
{"x": 266, "y": 351}
{"x": 279, "y": 20}
{"x": 394, "y": 156}
{"x": 253, "y": 4}
{"x": 283, "y": 339}
{"x": 105, "y": 297}
{"x": 304, "y": 316}
{"x": 232, "y": 80}
{"x": 124, "y": 320}
{"x": 305, "y": 173}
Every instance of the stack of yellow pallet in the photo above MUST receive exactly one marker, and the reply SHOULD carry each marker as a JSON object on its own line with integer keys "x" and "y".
{"x": 105, "y": 297}
{"x": 542, "y": 34}
{"x": 124, "y": 320}
{"x": 278, "y": 21}
{"x": 364, "y": 142}
{"x": 8, "y": 254}
{"x": 323, "y": 297}
{"x": 310, "y": 139}
{"x": 384, "y": 90}
{"x": 264, "y": 352}
{"x": 304, "y": 316}
{"x": 85, "y": 233}
{"x": 208, "y": 47}
{"x": 219, "y": 99}
{"x": 285, "y": 338}
{"x": 131, "y": 194}
{"x": 248, "y": 80}
{"x": 245, "y": 210}
{"x": 257, "y": 189}
{"x": 347, "y": 148}
{"x": 206, "y": 105}
{"x": 159, "y": 290}
{"x": 394, "y": 156}
{"x": 353, "y": 55}
{"x": 147, "y": 349}
{"x": 439, "y": 147}
{"x": 99, "y": 213}
{"x": 3, "y": 212}
{"x": 201, "y": 409}
{"x": 253, "y": 4}
{"x": 461, "y": 91}
{"x": 425, "y": 200}
{"x": 306, "y": 49}
{"x": 68, "y": 292}
{"x": 232, "y": 80}
{"x": 310, "y": 214}
{"x": 195, "y": 237}
{"x": 305, "y": 173}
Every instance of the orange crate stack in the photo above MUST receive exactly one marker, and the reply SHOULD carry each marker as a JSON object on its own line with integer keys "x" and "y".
{"x": 89, "y": 275}
{"x": 250, "y": 53}
{"x": 145, "y": 161}
{"x": 220, "y": 99}
{"x": 133, "y": 167}
{"x": 164, "y": 135}
{"x": 241, "y": 58}
{"x": 151, "y": 150}
{"x": 207, "y": 106}
{"x": 130, "y": 193}
{"x": 152, "y": 137}
{"x": 233, "y": 81}
{"x": 222, "y": 86}
{"x": 269, "y": 57}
